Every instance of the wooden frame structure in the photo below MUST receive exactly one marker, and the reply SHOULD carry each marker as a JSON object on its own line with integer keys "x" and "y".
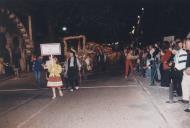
{"x": 65, "y": 39}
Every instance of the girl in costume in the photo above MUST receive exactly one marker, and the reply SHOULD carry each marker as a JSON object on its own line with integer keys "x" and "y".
{"x": 54, "y": 80}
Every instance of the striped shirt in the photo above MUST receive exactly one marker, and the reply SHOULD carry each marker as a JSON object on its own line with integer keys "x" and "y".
{"x": 180, "y": 59}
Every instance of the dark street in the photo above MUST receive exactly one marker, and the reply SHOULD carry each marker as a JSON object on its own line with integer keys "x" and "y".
{"x": 106, "y": 101}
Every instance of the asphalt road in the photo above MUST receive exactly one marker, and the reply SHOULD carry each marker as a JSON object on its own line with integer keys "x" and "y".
{"x": 104, "y": 101}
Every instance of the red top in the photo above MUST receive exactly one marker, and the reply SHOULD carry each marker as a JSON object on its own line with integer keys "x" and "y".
{"x": 165, "y": 58}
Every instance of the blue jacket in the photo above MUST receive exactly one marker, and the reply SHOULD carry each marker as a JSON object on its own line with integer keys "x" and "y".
{"x": 37, "y": 65}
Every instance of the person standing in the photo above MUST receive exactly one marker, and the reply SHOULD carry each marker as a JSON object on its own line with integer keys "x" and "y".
{"x": 72, "y": 69}
{"x": 128, "y": 62}
{"x": 165, "y": 74}
{"x": 37, "y": 69}
{"x": 54, "y": 80}
{"x": 157, "y": 58}
{"x": 152, "y": 64}
{"x": 186, "y": 76}
{"x": 100, "y": 60}
{"x": 180, "y": 65}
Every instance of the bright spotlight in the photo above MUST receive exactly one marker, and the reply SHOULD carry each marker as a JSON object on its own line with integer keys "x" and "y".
{"x": 64, "y": 28}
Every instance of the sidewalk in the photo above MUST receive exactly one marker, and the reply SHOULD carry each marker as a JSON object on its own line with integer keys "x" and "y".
{"x": 174, "y": 113}
{"x": 4, "y": 77}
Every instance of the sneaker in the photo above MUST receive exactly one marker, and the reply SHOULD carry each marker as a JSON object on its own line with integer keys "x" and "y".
{"x": 71, "y": 90}
{"x": 187, "y": 110}
{"x": 77, "y": 87}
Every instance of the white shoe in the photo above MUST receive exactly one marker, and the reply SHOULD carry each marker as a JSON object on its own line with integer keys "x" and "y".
{"x": 61, "y": 93}
{"x": 77, "y": 87}
{"x": 71, "y": 90}
{"x": 53, "y": 97}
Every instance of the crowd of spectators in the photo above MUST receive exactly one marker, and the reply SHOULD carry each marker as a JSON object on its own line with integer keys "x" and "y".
{"x": 164, "y": 64}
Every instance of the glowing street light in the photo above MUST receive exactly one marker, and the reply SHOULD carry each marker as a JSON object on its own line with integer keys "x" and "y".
{"x": 142, "y": 9}
{"x": 64, "y": 28}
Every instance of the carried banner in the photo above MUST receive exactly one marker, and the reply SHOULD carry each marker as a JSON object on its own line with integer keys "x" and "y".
{"x": 50, "y": 49}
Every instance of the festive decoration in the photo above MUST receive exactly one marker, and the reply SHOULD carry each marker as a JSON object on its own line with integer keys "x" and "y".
{"x": 20, "y": 27}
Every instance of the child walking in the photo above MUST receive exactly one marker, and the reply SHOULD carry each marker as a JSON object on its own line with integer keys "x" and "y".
{"x": 54, "y": 80}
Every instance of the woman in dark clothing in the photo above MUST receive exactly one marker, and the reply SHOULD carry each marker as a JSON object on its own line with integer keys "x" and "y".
{"x": 165, "y": 74}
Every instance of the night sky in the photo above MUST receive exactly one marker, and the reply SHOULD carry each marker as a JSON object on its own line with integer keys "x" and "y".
{"x": 103, "y": 20}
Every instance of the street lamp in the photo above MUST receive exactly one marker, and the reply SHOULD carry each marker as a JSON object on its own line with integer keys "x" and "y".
{"x": 64, "y": 28}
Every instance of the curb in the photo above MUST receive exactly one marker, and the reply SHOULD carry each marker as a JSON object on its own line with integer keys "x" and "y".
{"x": 156, "y": 106}
{"x": 7, "y": 78}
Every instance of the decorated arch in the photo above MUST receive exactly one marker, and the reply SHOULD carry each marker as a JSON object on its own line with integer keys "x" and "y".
{"x": 15, "y": 39}
{"x": 79, "y": 45}
{"x": 21, "y": 28}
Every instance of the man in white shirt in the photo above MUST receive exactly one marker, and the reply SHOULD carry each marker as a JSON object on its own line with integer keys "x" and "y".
{"x": 180, "y": 65}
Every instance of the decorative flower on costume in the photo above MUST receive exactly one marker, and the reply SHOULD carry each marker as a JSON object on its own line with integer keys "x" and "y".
{"x": 54, "y": 69}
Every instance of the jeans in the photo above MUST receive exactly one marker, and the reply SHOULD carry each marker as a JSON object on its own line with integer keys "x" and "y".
{"x": 37, "y": 75}
{"x": 158, "y": 71}
{"x": 153, "y": 73}
{"x": 148, "y": 73}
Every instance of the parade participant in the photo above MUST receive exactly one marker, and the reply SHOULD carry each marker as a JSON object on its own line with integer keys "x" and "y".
{"x": 73, "y": 68}
{"x": 88, "y": 63}
{"x": 48, "y": 62}
{"x": 128, "y": 62}
{"x": 37, "y": 69}
{"x": 54, "y": 80}
{"x": 101, "y": 60}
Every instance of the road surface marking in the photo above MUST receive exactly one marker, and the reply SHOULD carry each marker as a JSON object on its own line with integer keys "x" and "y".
{"x": 117, "y": 86}
{"x": 82, "y": 87}
{"x": 20, "y": 125}
{"x": 17, "y": 90}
